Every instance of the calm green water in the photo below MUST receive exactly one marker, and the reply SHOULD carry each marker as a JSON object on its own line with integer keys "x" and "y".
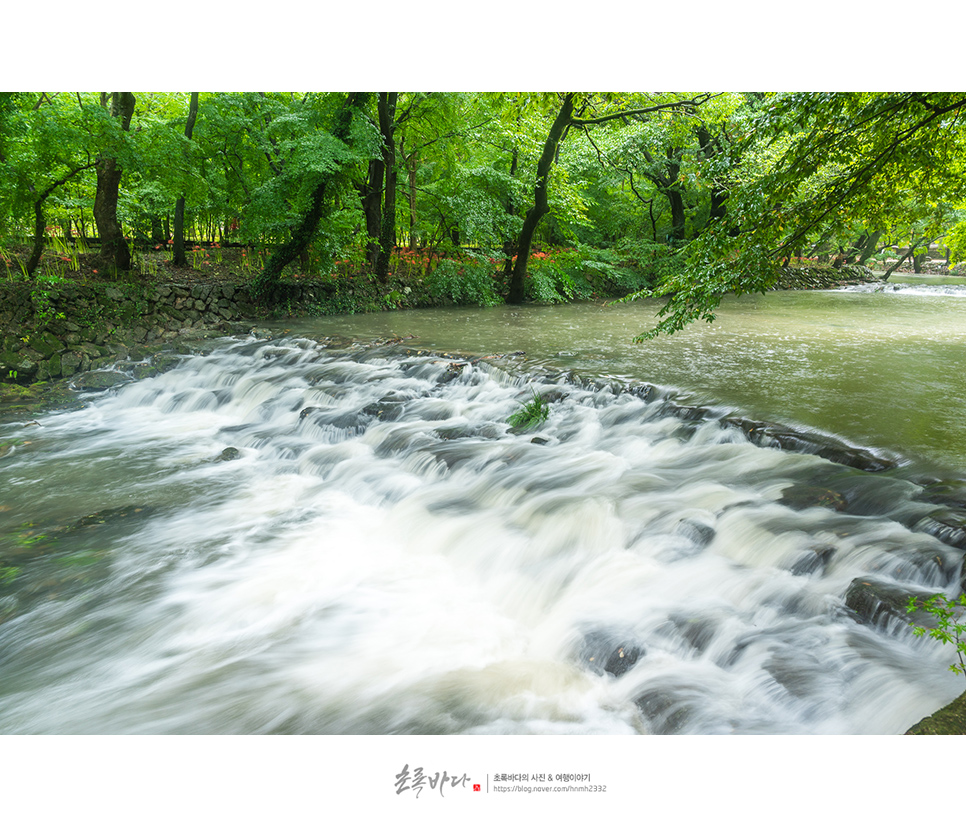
{"x": 885, "y": 369}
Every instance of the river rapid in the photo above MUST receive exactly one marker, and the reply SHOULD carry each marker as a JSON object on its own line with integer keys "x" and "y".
{"x": 317, "y": 534}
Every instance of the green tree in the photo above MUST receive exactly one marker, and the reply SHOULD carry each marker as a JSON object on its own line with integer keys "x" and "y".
{"x": 43, "y": 146}
{"x": 580, "y": 110}
{"x": 114, "y": 248}
{"x": 811, "y": 164}
{"x": 314, "y": 163}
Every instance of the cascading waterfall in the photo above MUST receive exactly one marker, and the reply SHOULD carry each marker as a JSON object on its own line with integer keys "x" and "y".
{"x": 285, "y": 537}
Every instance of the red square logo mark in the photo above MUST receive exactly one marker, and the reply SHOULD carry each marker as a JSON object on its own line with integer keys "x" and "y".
{"x": 476, "y": 787}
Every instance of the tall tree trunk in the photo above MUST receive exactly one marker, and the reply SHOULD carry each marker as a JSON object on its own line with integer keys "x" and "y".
{"x": 902, "y": 258}
{"x": 157, "y": 230}
{"x": 709, "y": 147}
{"x": 509, "y": 245}
{"x": 180, "y": 259}
{"x": 540, "y": 205}
{"x": 387, "y": 235}
{"x": 40, "y": 226}
{"x": 411, "y": 165}
{"x": 674, "y": 196}
{"x": 266, "y": 284}
{"x": 371, "y": 192}
{"x": 114, "y": 248}
{"x": 869, "y": 248}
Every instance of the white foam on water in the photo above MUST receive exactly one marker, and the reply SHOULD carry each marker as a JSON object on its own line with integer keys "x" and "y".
{"x": 397, "y": 560}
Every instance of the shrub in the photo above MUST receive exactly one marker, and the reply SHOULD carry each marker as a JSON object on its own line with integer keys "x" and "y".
{"x": 468, "y": 281}
{"x": 948, "y": 628}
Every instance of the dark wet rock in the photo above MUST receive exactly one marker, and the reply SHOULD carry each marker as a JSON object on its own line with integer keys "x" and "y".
{"x": 665, "y": 710}
{"x": 112, "y": 514}
{"x": 603, "y": 652}
{"x": 165, "y": 361}
{"x": 874, "y": 602}
{"x": 622, "y": 659}
{"x": 647, "y": 393}
{"x": 688, "y": 413}
{"x": 385, "y": 410}
{"x": 554, "y": 395}
{"x": 947, "y": 525}
{"x": 813, "y": 561}
{"x": 455, "y": 432}
{"x": 453, "y": 372}
{"x": 353, "y": 420}
{"x": 803, "y": 496}
{"x": 540, "y": 441}
{"x": 809, "y": 442}
{"x": 144, "y": 371}
{"x": 697, "y": 631}
{"x": 231, "y": 453}
{"x": 99, "y": 380}
{"x": 308, "y": 411}
{"x": 699, "y": 533}
{"x": 947, "y": 491}
{"x": 874, "y": 495}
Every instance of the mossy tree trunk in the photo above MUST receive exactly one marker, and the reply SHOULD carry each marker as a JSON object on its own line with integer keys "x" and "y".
{"x": 114, "y": 248}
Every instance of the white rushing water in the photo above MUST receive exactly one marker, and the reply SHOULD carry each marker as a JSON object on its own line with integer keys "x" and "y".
{"x": 899, "y": 288}
{"x": 384, "y": 555}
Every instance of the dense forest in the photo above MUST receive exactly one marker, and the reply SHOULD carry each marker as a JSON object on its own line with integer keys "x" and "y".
{"x": 489, "y": 197}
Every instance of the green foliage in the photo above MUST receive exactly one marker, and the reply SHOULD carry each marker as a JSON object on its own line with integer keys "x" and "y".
{"x": 949, "y": 628}
{"x": 555, "y": 280}
{"x": 807, "y": 167}
{"x": 534, "y": 412}
{"x": 43, "y": 304}
{"x": 467, "y": 281}
{"x": 956, "y": 241}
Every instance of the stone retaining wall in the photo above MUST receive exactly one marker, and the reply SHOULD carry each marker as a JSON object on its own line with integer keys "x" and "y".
{"x": 54, "y": 330}
{"x": 49, "y": 331}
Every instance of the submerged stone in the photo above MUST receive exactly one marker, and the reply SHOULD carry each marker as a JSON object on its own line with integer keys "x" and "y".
{"x": 99, "y": 380}
{"x": 812, "y": 561}
{"x": 803, "y": 496}
{"x": 947, "y": 525}
{"x": 809, "y": 442}
{"x": 603, "y": 652}
{"x": 875, "y": 602}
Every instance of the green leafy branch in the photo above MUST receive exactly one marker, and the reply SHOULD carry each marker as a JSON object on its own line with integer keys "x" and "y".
{"x": 948, "y": 628}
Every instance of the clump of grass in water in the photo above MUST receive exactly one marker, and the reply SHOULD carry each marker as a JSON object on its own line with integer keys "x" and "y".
{"x": 534, "y": 412}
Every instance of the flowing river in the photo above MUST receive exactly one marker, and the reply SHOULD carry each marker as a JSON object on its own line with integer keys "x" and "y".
{"x": 321, "y": 533}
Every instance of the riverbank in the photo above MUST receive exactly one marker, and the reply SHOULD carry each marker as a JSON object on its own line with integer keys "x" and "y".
{"x": 53, "y": 328}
